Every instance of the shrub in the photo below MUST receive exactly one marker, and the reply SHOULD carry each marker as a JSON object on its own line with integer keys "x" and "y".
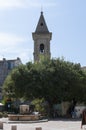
{"x": 39, "y": 107}
{"x": 5, "y": 114}
{"x": 1, "y": 114}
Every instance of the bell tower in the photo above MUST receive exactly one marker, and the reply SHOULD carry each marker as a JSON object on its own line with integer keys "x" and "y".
{"x": 41, "y": 38}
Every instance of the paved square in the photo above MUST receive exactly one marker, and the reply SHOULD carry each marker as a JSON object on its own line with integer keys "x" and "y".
{"x": 59, "y": 124}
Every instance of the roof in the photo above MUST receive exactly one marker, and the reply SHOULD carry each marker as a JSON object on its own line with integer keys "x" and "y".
{"x": 11, "y": 60}
{"x": 41, "y": 26}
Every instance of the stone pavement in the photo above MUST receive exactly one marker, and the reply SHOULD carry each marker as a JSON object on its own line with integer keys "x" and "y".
{"x": 59, "y": 124}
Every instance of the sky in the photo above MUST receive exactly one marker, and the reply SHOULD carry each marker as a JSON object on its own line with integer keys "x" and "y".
{"x": 66, "y": 19}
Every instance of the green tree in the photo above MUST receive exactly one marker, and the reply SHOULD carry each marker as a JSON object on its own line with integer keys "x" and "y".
{"x": 54, "y": 80}
{"x": 16, "y": 81}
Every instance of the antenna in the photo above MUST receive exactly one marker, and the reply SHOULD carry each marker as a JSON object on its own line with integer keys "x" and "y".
{"x": 41, "y": 8}
{"x": 2, "y": 55}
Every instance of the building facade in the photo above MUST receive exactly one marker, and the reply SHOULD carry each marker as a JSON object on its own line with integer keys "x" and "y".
{"x": 5, "y": 67}
{"x": 41, "y": 38}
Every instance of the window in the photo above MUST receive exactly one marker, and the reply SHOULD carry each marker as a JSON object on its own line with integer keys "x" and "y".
{"x": 9, "y": 65}
{"x": 41, "y": 24}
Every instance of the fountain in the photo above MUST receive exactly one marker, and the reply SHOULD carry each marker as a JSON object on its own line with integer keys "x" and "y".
{"x": 24, "y": 115}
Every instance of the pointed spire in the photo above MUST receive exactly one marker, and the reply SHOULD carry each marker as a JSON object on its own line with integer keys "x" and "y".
{"x": 41, "y": 27}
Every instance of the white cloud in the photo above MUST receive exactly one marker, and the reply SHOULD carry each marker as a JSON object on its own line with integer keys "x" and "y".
{"x": 12, "y": 46}
{"x": 6, "y": 4}
{"x": 9, "y": 39}
{"x": 36, "y": 3}
{"x": 23, "y": 53}
{"x": 26, "y": 56}
{"x": 10, "y": 4}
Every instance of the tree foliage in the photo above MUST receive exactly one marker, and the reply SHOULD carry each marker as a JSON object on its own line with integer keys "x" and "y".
{"x": 54, "y": 80}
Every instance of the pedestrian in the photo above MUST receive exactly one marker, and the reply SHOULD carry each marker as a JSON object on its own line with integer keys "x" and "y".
{"x": 83, "y": 122}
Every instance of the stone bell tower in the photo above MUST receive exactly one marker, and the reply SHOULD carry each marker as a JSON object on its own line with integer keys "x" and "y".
{"x": 41, "y": 38}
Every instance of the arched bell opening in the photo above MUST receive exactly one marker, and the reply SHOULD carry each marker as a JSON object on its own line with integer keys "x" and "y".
{"x": 42, "y": 48}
